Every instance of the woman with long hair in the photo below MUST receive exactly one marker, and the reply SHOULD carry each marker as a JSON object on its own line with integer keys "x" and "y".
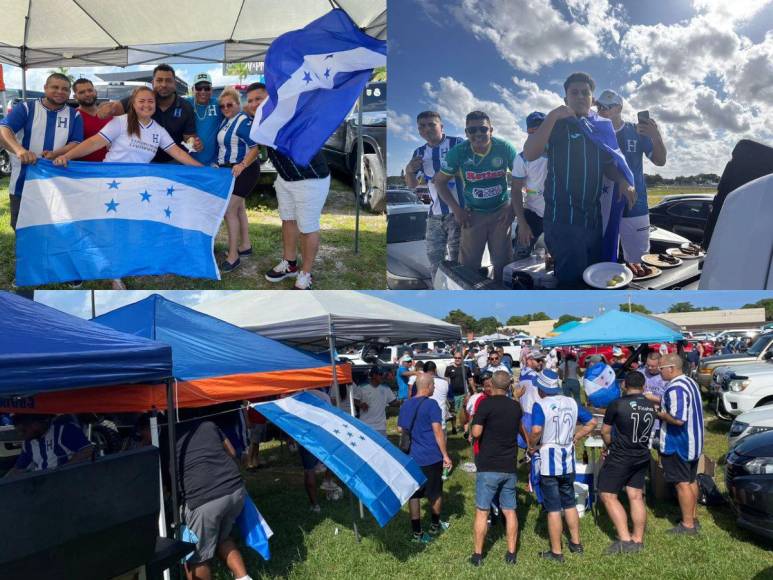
{"x": 235, "y": 150}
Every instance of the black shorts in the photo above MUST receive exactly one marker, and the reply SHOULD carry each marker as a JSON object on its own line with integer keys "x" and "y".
{"x": 433, "y": 487}
{"x": 615, "y": 474}
{"x": 677, "y": 470}
{"x": 247, "y": 179}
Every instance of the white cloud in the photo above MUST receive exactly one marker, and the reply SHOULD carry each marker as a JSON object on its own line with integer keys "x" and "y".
{"x": 401, "y": 126}
{"x": 735, "y": 11}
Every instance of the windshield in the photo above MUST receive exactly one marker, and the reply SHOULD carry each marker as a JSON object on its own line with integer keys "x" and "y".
{"x": 374, "y": 98}
{"x": 759, "y": 345}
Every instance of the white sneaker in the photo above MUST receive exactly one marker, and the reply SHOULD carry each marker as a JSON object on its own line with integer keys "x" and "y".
{"x": 281, "y": 271}
{"x": 303, "y": 282}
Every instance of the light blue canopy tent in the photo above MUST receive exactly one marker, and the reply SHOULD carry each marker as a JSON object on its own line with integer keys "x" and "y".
{"x": 617, "y": 327}
{"x": 566, "y": 326}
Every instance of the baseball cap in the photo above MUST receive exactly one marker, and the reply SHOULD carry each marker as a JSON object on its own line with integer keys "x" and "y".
{"x": 406, "y": 358}
{"x": 609, "y": 98}
{"x": 547, "y": 382}
{"x": 617, "y": 351}
{"x": 596, "y": 358}
{"x": 202, "y": 78}
{"x": 534, "y": 119}
{"x": 536, "y": 355}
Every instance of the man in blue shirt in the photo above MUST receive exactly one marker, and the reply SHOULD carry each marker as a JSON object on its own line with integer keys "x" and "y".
{"x": 681, "y": 439}
{"x": 421, "y": 415}
{"x": 402, "y": 375}
{"x": 208, "y": 118}
{"x": 635, "y": 141}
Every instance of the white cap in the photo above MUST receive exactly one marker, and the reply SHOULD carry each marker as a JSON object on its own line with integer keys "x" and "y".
{"x": 202, "y": 78}
{"x": 609, "y": 98}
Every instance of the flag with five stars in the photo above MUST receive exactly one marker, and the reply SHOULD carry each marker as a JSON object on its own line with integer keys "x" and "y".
{"x": 313, "y": 78}
{"x": 377, "y": 472}
{"x": 96, "y": 221}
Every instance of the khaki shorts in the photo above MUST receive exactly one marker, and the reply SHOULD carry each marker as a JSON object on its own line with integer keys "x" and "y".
{"x": 493, "y": 229}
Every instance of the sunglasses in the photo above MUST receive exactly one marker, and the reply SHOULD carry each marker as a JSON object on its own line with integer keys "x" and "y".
{"x": 227, "y": 106}
{"x": 457, "y": 358}
{"x": 482, "y": 129}
{"x": 601, "y": 107}
{"x": 202, "y": 89}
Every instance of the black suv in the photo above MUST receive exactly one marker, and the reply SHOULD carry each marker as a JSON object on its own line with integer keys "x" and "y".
{"x": 341, "y": 148}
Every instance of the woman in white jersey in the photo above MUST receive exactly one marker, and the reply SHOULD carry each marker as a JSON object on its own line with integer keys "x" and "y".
{"x": 236, "y": 150}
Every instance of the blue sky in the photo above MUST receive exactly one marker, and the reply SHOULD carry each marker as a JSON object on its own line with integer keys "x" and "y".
{"x": 702, "y": 67}
{"x": 438, "y": 303}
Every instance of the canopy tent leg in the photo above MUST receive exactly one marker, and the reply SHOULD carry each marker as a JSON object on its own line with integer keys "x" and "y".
{"x": 171, "y": 419}
{"x": 358, "y": 178}
{"x": 155, "y": 440}
{"x": 332, "y": 346}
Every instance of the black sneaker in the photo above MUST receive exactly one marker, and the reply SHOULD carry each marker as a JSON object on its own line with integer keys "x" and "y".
{"x": 227, "y": 266}
{"x": 549, "y": 555}
{"x": 620, "y": 547}
{"x": 510, "y": 558}
{"x": 245, "y": 253}
{"x": 281, "y": 271}
{"x": 682, "y": 530}
{"x": 476, "y": 559}
{"x": 576, "y": 548}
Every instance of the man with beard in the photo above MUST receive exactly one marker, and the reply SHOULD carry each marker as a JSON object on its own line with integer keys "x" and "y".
{"x": 86, "y": 95}
{"x": 173, "y": 113}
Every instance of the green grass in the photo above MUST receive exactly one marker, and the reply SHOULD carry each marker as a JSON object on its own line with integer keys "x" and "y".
{"x": 306, "y": 545}
{"x": 337, "y": 266}
{"x": 655, "y": 194}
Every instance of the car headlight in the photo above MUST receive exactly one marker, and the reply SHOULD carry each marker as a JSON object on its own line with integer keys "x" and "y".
{"x": 704, "y": 370}
{"x": 760, "y": 466}
{"x": 759, "y": 429}
{"x": 738, "y": 385}
{"x": 737, "y": 428}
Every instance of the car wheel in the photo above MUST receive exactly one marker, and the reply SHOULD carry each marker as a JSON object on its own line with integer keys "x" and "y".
{"x": 373, "y": 194}
{"x": 5, "y": 163}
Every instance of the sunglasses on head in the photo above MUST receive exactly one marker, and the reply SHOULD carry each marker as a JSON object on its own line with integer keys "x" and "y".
{"x": 479, "y": 129}
{"x": 200, "y": 89}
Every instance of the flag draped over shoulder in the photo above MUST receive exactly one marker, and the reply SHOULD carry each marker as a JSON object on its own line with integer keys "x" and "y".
{"x": 92, "y": 221}
{"x": 313, "y": 78}
{"x": 378, "y": 473}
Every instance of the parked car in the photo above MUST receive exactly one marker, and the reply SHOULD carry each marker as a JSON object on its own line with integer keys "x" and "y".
{"x": 407, "y": 263}
{"x": 604, "y": 350}
{"x": 755, "y": 421}
{"x": 429, "y": 347}
{"x": 737, "y": 333}
{"x": 686, "y": 215}
{"x": 755, "y": 353}
{"x": 5, "y": 163}
{"x": 341, "y": 148}
{"x": 744, "y": 387}
{"x": 749, "y": 481}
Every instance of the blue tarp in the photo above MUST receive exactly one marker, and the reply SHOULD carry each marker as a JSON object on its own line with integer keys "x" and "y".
{"x": 617, "y": 327}
{"x": 45, "y": 350}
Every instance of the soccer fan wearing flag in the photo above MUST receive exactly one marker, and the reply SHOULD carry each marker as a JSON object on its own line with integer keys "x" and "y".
{"x": 236, "y": 151}
{"x": 635, "y": 141}
{"x": 46, "y": 128}
{"x": 554, "y": 417}
{"x": 422, "y": 416}
{"x": 443, "y": 232}
{"x": 481, "y": 166}
{"x": 527, "y": 193}
{"x": 626, "y": 431}
{"x": 578, "y": 145}
{"x": 495, "y": 426}
{"x": 681, "y": 439}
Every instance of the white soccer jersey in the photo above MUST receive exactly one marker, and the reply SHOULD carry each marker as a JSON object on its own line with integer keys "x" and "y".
{"x": 127, "y": 148}
{"x": 534, "y": 174}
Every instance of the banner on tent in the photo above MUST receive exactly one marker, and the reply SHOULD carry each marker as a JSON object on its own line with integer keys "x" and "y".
{"x": 92, "y": 221}
{"x": 377, "y": 472}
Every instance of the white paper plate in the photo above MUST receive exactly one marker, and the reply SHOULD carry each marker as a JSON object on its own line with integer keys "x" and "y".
{"x": 599, "y": 274}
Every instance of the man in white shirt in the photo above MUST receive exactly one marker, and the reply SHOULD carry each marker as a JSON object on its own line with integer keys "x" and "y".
{"x": 372, "y": 400}
{"x": 441, "y": 392}
{"x": 529, "y": 181}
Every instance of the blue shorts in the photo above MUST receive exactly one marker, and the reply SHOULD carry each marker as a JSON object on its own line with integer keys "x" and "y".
{"x": 308, "y": 460}
{"x": 490, "y": 484}
{"x": 557, "y": 492}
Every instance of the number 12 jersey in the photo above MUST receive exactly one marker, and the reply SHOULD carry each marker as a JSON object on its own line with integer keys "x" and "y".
{"x": 632, "y": 418}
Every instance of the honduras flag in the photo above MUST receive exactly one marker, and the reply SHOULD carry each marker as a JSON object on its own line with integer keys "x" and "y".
{"x": 378, "y": 473}
{"x": 254, "y": 529}
{"x": 93, "y": 221}
{"x": 313, "y": 78}
{"x": 602, "y": 133}
{"x": 601, "y": 385}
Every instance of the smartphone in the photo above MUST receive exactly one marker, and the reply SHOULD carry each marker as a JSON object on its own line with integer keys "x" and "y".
{"x": 643, "y": 116}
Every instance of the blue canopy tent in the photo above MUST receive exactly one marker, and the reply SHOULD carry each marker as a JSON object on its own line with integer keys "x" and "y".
{"x": 617, "y": 327}
{"x": 564, "y": 327}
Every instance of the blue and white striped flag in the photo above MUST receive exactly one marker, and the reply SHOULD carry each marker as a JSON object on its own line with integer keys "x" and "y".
{"x": 313, "y": 78}
{"x": 93, "y": 221}
{"x": 378, "y": 473}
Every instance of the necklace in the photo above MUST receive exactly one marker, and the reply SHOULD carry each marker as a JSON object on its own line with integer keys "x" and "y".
{"x": 206, "y": 110}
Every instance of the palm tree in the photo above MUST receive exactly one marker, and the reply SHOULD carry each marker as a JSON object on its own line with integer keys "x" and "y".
{"x": 379, "y": 74}
{"x": 239, "y": 69}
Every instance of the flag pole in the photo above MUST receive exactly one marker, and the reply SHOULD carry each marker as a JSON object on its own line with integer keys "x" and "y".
{"x": 358, "y": 180}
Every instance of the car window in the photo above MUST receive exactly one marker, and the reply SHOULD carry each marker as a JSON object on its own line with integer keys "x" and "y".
{"x": 401, "y": 196}
{"x": 406, "y": 227}
{"x": 689, "y": 209}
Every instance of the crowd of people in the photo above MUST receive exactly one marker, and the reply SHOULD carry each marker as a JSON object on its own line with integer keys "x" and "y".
{"x": 555, "y": 187}
{"x": 156, "y": 125}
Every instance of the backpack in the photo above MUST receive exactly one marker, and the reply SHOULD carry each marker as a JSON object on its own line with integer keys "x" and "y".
{"x": 708, "y": 492}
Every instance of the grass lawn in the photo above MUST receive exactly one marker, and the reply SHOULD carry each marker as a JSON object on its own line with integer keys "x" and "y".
{"x": 655, "y": 194}
{"x": 307, "y": 545}
{"x": 337, "y": 266}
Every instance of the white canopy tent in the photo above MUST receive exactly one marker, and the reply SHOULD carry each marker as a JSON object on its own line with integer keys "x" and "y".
{"x": 311, "y": 318}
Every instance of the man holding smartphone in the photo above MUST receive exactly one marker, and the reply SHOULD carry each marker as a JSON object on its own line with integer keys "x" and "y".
{"x": 634, "y": 141}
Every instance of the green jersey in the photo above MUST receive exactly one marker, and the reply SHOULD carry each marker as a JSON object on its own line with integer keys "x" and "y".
{"x": 484, "y": 177}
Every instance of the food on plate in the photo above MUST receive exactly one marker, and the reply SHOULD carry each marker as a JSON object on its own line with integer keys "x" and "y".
{"x": 636, "y": 268}
{"x": 615, "y": 280}
{"x": 668, "y": 259}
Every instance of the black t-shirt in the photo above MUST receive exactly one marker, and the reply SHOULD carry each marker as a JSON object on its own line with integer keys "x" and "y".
{"x": 500, "y": 417}
{"x": 456, "y": 379}
{"x": 632, "y": 418}
{"x": 178, "y": 120}
{"x": 205, "y": 470}
{"x": 289, "y": 171}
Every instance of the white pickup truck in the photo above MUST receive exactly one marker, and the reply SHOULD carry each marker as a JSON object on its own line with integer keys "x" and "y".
{"x": 744, "y": 387}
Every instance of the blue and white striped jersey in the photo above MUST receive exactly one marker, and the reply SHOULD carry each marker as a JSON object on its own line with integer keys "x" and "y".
{"x": 53, "y": 449}
{"x": 682, "y": 400}
{"x": 233, "y": 139}
{"x": 432, "y": 158}
{"x": 558, "y": 416}
{"x": 40, "y": 129}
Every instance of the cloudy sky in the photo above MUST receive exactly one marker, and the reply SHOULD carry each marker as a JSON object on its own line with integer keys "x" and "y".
{"x": 703, "y": 68}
